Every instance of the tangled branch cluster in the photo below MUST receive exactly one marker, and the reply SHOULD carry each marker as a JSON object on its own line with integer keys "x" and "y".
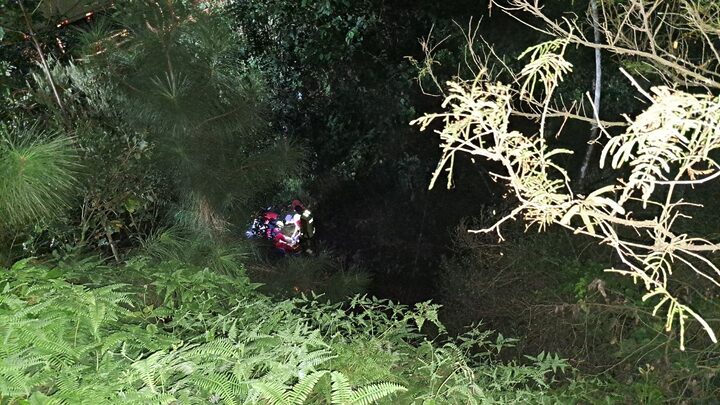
{"x": 676, "y": 40}
{"x": 667, "y": 145}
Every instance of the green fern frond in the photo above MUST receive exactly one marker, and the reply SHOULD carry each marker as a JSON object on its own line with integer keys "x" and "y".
{"x": 301, "y": 391}
{"x": 146, "y": 370}
{"x": 315, "y": 358}
{"x": 13, "y": 381}
{"x": 68, "y": 381}
{"x": 49, "y": 343}
{"x": 219, "y": 348}
{"x": 342, "y": 393}
{"x": 216, "y": 384}
{"x": 113, "y": 340}
{"x": 143, "y": 398}
{"x": 276, "y": 393}
{"x": 374, "y": 392}
{"x": 42, "y": 306}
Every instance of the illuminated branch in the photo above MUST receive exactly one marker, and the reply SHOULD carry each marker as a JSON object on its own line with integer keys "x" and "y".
{"x": 639, "y": 30}
{"x": 669, "y": 144}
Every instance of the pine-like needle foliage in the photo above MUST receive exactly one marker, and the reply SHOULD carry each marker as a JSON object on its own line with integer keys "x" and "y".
{"x": 37, "y": 176}
{"x": 180, "y": 77}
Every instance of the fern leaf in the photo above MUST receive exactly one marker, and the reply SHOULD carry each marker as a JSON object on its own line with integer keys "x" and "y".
{"x": 146, "y": 370}
{"x": 304, "y": 387}
{"x": 372, "y": 393}
{"x": 274, "y": 392}
{"x": 215, "y": 383}
{"x": 13, "y": 382}
{"x": 219, "y": 348}
{"x": 315, "y": 358}
{"x": 113, "y": 340}
{"x": 342, "y": 393}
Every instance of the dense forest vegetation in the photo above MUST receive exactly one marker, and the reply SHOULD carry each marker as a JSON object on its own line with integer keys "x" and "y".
{"x": 572, "y": 257}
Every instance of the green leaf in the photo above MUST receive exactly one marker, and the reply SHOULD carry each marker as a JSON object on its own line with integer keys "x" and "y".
{"x": 373, "y": 393}
{"x": 304, "y": 387}
{"x": 22, "y": 264}
{"x": 341, "y": 389}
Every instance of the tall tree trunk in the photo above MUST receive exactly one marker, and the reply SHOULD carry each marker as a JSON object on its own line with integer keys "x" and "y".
{"x": 43, "y": 63}
{"x": 597, "y": 84}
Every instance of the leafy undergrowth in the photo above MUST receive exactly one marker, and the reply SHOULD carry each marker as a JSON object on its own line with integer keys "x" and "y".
{"x": 173, "y": 333}
{"x": 550, "y": 291}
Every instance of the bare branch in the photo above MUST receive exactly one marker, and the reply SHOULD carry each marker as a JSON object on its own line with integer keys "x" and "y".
{"x": 666, "y": 144}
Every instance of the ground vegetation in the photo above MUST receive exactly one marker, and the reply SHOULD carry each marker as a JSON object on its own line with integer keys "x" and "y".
{"x": 138, "y": 140}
